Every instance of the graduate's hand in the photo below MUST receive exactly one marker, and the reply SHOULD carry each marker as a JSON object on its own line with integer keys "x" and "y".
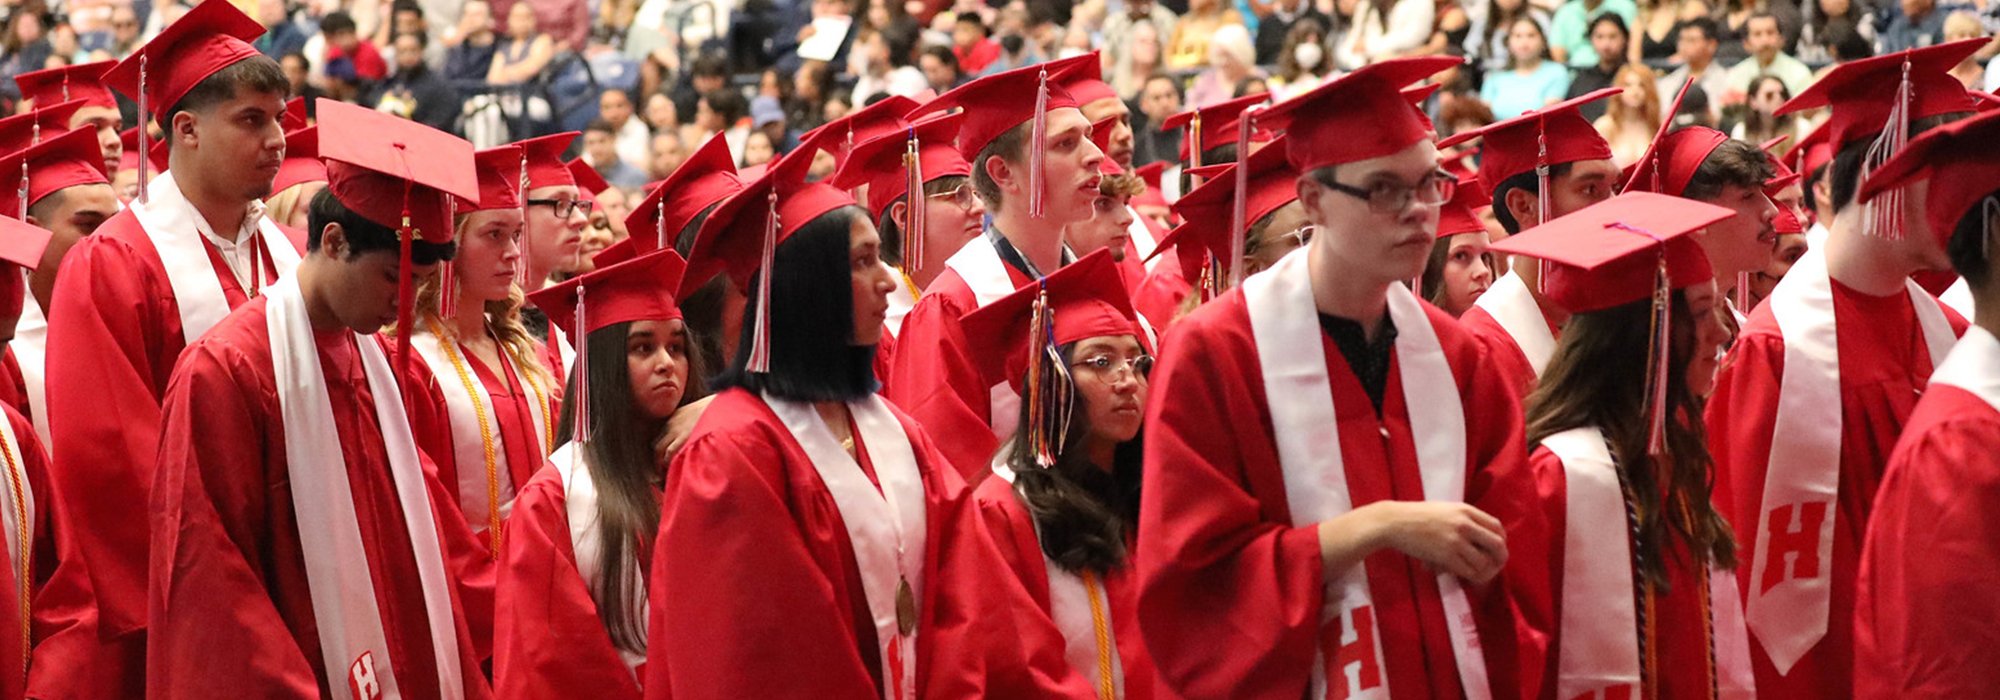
{"x": 679, "y": 427}
{"x": 1454, "y": 538}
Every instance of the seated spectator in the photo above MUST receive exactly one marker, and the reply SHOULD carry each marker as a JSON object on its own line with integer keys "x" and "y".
{"x": 614, "y": 106}
{"x": 1461, "y": 113}
{"x": 806, "y": 108}
{"x": 724, "y": 111}
{"x": 768, "y": 118}
{"x": 344, "y": 43}
{"x": 566, "y": 22}
{"x": 1159, "y": 99}
{"x": 1834, "y": 19}
{"x": 525, "y": 51}
{"x": 757, "y": 150}
{"x": 26, "y": 46}
{"x": 1920, "y": 25}
{"x": 1015, "y": 51}
{"x": 600, "y": 150}
{"x": 470, "y": 46}
{"x": 1767, "y": 94}
{"x": 1732, "y": 26}
{"x": 1632, "y": 117}
{"x": 1231, "y": 60}
{"x": 1302, "y": 62}
{"x": 281, "y": 34}
{"x": 1532, "y": 80}
{"x": 940, "y": 67}
{"x": 1609, "y": 37}
{"x": 1569, "y": 30}
{"x": 668, "y": 154}
{"x": 1188, "y": 46}
{"x": 1141, "y": 57}
{"x": 969, "y": 42}
{"x": 125, "y": 34}
{"x": 414, "y": 92}
{"x": 1657, "y": 35}
{"x": 1697, "y": 59}
{"x": 707, "y": 73}
{"x": 407, "y": 17}
{"x": 1385, "y": 29}
{"x": 1767, "y": 57}
{"x": 298, "y": 72}
{"x": 1486, "y": 37}
{"x": 1959, "y": 26}
{"x": 881, "y": 63}
{"x": 1121, "y": 37}
{"x": 1275, "y": 23}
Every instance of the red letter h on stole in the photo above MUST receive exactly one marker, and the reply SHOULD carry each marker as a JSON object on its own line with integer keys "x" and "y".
{"x": 1357, "y": 649}
{"x": 361, "y": 678}
{"x": 1803, "y": 542}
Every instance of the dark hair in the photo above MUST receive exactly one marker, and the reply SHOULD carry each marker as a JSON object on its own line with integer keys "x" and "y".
{"x": 1967, "y": 245}
{"x": 601, "y": 126}
{"x": 1539, "y": 31}
{"x": 709, "y": 65}
{"x": 628, "y": 476}
{"x": 301, "y": 56}
{"x": 1498, "y": 18}
{"x": 1611, "y": 18}
{"x": 1180, "y": 91}
{"x": 1845, "y": 169}
{"x": 1431, "y": 284}
{"x": 366, "y": 236}
{"x": 812, "y": 320}
{"x": 1303, "y": 31}
{"x": 42, "y": 208}
{"x": 1847, "y": 44}
{"x": 1012, "y": 146}
{"x": 258, "y": 73}
{"x": 1734, "y": 162}
{"x": 406, "y": 6}
{"x": 944, "y": 56}
{"x": 423, "y": 41}
{"x": 901, "y": 40}
{"x": 1596, "y": 379}
{"x": 1706, "y": 25}
{"x": 892, "y": 233}
{"x": 1082, "y": 510}
{"x": 1248, "y": 86}
{"x": 728, "y": 103}
{"x": 336, "y": 22}
{"x": 1760, "y": 14}
{"x": 974, "y": 19}
{"x": 1526, "y": 182}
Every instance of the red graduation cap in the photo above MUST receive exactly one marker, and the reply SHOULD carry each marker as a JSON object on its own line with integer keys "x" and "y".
{"x": 1355, "y": 117}
{"x": 212, "y": 36}
{"x": 387, "y": 168}
{"x": 1213, "y": 126}
{"x": 1209, "y": 236}
{"x": 635, "y": 289}
{"x": 705, "y": 178}
{"x": 1672, "y": 160}
{"x": 1962, "y": 162}
{"x": 301, "y": 163}
{"x": 1457, "y": 215}
{"x": 884, "y": 164}
{"x": 544, "y": 166}
{"x": 1548, "y": 137}
{"x": 1100, "y": 135}
{"x": 83, "y": 81}
{"x": 588, "y": 182}
{"x": 743, "y": 233}
{"x": 56, "y": 163}
{"x": 1154, "y": 196}
{"x": 1084, "y": 80}
{"x": 26, "y": 129}
{"x": 1864, "y": 93}
{"x": 1812, "y": 151}
{"x": 1787, "y": 221}
{"x": 499, "y": 172}
{"x": 295, "y": 117}
{"x": 1984, "y": 101}
{"x": 1417, "y": 95}
{"x": 22, "y": 243}
{"x": 842, "y": 135}
{"x": 1002, "y": 101}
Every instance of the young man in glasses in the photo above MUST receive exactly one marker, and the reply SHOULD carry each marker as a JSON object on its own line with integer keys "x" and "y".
{"x": 1361, "y": 491}
{"x": 552, "y": 237}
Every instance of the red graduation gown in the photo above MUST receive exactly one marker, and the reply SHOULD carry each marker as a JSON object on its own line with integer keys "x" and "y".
{"x": 1506, "y": 355}
{"x": 549, "y": 643}
{"x": 114, "y": 336}
{"x": 41, "y": 552}
{"x": 755, "y": 590}
{"x": 13, "y": 386}
{"x": 230, "y": 610}
{"x": 1230, "y": 592}
{"x": 935, "y": 378}
{"x": 1924, "y": 620}
{"x": 1020, "y": 548}
{"x": 1884, "y": 367}
{"x": 519, "y": 437}
{"x": 1680, "y": 641}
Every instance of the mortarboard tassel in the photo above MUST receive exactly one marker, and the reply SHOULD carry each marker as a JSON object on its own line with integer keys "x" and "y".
{"x": 760, "y": 337}
{"x": 660, "y": 222}
{"x": 1193, "y": 138}
{"x": 1542, "y": 202}
{"x": 918, "y": 220}
{"x": 22, "y": 192}
{"x": 582, "y": 343}
{"x": 1884, "y": 214}
{"x": 1037, "y": 135}
{"x": 1743, "y": 292}
{"x": 1239, "y": 226}
{"x": 1656, "y": 382}
{"x": 447, "y": 290}
{"x": 527, "y": 241}
{"x": 404, "y": 303}
{"x": 1048, "y": 386}
{"x": 144, "y": 149}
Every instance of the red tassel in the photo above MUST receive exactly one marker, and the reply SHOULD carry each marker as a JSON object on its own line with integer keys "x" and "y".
{"x": 1743, "y": 292}
{"x": 527, "y": 237}
{"x": 1884, "y": 213}
{"x": 1038, "y": 134}
{"x": 145, "y": 151}
{"x": 22, "y": 191}
{"x": 919, "y": 207}
{"x": 660, "y": 223}
{"x": 1239, "y": 226}
{"x": 1656, "y": 438}
{"x": 760, "y": 338}
{"x": 1193, "y": 138}
{"x": 580, "y": 340}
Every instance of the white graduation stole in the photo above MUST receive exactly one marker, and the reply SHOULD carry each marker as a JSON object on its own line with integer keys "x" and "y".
{"x": 886, "y": 527}
{"x": 580, "y": 504}
{"x": 1791, "y": 565}
{"x": 1071, "y": 609}
{"x": 1142, "y": 238}
{"x": 352, "y": 642}
{"x": 1510, "y": 304}
{"x": 986, "y": 274}
{"x": 31, "y": 353}
{"x": 1600, "y": 621}
{"x": 1974, "y": 366}
{"x": 1285, "y": 324}
{"x": 174, "y": 227}
{"x": 477, "y": 446}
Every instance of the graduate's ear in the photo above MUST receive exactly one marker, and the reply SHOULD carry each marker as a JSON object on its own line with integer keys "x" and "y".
{"x": 1525, "y": 206}
{"x": 899, "y": 212}
{"x": 1002, "y": 173}
{"x": 182, "y": 128}
{"x": 332, "y": 241}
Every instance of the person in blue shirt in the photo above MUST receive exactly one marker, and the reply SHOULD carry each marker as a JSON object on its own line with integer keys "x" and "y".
{"x": 1532, "y": 79}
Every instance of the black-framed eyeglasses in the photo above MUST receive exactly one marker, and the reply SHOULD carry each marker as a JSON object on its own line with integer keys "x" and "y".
{"x": 963, "y": 196}
{"x": 1110, "y": 369}
{"x": 1390, "y": 197}
{"x": 563, "y": 208}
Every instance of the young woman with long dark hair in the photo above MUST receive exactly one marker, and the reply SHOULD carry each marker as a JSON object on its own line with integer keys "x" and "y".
{"x": 812, "y": 538}
{"x": 1063, "y": 501}
{"x": 571, "y": 618}
{"x": 1619, "y": 447}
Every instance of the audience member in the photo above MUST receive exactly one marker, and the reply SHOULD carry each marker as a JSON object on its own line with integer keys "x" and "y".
{"x": 881, "y": 65}
{"x": 298, "y": 72}
{"x": 1658, "y": 32}
{"x": 414, "y": 92}
{"x": 1732, "y": 26}
{"x": 1767, "y": 94}
{"x": 1569, "y": 30}
{"x": 344, "y": 46}
{"x": 281, "y": 34}
{"x": 1303, "y": 62}
{"x": 524, "y": 53}
{"x": 1959, "y": 26}
{"x": 614, "y": 106}
{"x": 1532, "y": 80}
{"x": 1828, "y": 20}
{"x": 1188, "y": 47}
{"x": 1919, "y": 25}
{"x": 1142, "y": 56}
{"x": 1632, "y": 117}
{"x": 1609, "y": 37}
{"x": 1697, "y": 58}
{"x": 1385, "y": 29}
{"x": 1159, "y": 99}
{"x": 1767, "y": 57}
{"x": 972, "y": 45}
{"x": 1486, "y": 40}
{"x": 668, "y": 153}
{"x": 1274, "y": 27}
{"x": 471, "y": 44}
{"x": 600, "y": 150}
{"x": 940, "y": 67}
{"x": 1231, "y": 60}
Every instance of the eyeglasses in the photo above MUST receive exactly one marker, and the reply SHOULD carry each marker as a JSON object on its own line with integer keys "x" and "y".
{"x": 1112, "y": 369}
{"x": 563, "y": 208}
{"x": 1390, "y": 197}
{"x": 1303, "y": 235}
{"x": 963, "y": 196}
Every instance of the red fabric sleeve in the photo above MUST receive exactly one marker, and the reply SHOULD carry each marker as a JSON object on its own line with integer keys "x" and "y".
{"x": 549, "y": 643}
{"x": 935, "y": 380}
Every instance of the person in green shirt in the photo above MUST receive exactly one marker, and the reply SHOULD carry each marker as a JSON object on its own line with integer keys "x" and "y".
{"x": 1569, "y": 30}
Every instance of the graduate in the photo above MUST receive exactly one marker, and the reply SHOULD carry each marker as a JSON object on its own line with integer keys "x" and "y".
{"x": 1109, "y": 227}
{"x": 668, "y": 218}
{"x": 952, "y": 213}
{"x": 1918, "y": 632}
{"x": 304, "y": 550}
{"x": 813, "y": 540}
{"x": 1065, "y": 503}
{"x": 1203, "y": 241}
{"x": 69, "y": 195}
{"x": 27, "y": 519}
{"x": 1101, "y": 104}
{"x": 1619, "y": 448}
{"x": 1334, "y": 473}
{"x": 572, "y": 593}
{"x": 151, "y": 280}
{"x": 1536, "y": 167}
{"x": 99, "y": 108}
{"x": 1462, "y": 266}
{"x": 555, "y": 211}
{"x": 1032, "y": 190}
{"x": 483, "y": 407}
{"x": 1822, "y": 379}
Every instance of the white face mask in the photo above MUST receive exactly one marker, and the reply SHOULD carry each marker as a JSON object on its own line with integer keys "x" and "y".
{"x": 1308, "y": 55}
